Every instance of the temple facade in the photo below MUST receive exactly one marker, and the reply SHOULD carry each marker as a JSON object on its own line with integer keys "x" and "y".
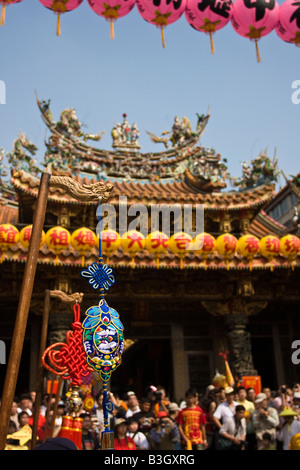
{"x": 180, "y": 307}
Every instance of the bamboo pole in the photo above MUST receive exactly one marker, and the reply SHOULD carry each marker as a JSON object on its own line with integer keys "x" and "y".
{"x": 40, "y": 374}
{"x": 23, "y": 310}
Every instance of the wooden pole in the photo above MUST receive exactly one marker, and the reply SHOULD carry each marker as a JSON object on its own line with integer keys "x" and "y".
{"x": 57, "y": 397}
{"x": 23, "y": 310}
{"x": 40, "y": 373}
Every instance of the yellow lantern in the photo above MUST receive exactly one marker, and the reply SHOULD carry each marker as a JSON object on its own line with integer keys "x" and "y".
{"x": 269, "y": 247}
{"x": 226, "y": 245}
{"x": 9, "y": 236}
{"x": 132, "y": 242}
{"x": 179, "y": 244}
{"x": 57, "y": 240}
{"x": 290, "y": 247}
{"x": 204, "y": 244}
{"x": 83, "y": 240}
{"x": 110, "y": 242}
{"x": 157, "y": 243}
{"x": 248, "y": 246}
{"x": 25, "y": 236}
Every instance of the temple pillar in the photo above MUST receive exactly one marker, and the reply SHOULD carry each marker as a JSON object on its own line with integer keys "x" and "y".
{"x": 180, "y": 384}
{"x": 236, "y": 314}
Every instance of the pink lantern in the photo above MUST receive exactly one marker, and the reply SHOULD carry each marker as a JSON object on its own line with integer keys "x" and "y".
{"x": 161, "y": 13}
{"x": 254, "y": 19}
{"x": 59, "y": 7}
{"x": 4, "y": 3}
{"x": 288, "y": 26}
{"x": 111, "y": 10}
{"x": 208, "y": 16}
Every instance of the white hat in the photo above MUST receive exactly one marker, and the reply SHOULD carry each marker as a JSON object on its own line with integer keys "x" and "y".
{"x": 297, "y": 395}
{"x": 228, "y": 390}
{"x": 120, "y": 421}
{"x": 173, "y": 407}
{"x": 260, "y": 397}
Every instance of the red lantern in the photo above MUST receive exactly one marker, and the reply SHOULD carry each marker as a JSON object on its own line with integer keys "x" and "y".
{"x": 4, "y": 3}
{"x": 9, "y": 236}
{"x": 161, "y": 12}
{"x": 288, "y": 26}
{"x": 208, "y": 16}
{"x": 59, "y": 7}
{"x": 112, "y": 10}
{"x": 254, "y": 19}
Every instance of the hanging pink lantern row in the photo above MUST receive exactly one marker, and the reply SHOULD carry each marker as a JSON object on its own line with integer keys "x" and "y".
{"x": 4, "y": 3}
{"x": 288, "y": 26}
{"x": 254, "y": 19}
{"x": 59, "y": 7}
{"x": 161, "y": 13}
{"x": 208, "y": 16}
{"x": 112, "y": 10}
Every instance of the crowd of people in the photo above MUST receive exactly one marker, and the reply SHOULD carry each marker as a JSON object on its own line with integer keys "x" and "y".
{"x": 220, "y": 419}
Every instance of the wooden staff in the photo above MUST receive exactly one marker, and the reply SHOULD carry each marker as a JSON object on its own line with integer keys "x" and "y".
{"x": 40, "y": 373}
{"x": 23, "y": 310}
{"x": 57, "y": 396}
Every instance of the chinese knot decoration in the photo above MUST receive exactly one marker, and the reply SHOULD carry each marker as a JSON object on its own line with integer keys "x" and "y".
{"x": 103, "y": 339}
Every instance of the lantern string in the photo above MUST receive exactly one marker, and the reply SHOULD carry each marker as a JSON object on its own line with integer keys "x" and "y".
{"x": 212, "y": 47}
{"x": 112, "y": 32}
{"x": 162, "y": 37}
{"x": 257, "y": 51}
{"x": 2, "y": 18}
{"x": 58, "y": 28}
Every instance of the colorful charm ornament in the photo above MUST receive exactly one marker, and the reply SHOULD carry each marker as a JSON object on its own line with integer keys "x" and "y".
{"x": 103, "y": 339}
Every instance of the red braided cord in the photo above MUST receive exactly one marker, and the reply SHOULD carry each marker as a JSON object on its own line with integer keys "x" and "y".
{"x": 70, "y": 358}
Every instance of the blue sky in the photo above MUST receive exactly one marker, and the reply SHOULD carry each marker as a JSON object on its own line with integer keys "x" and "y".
{"x": 250, "y": 103}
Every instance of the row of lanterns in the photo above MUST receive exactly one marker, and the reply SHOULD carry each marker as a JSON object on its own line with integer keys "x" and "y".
{"x": 83, "y": 240}
{"x": 251, "y": 19}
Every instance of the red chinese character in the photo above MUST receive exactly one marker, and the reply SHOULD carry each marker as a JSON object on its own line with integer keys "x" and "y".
{"x": 208, "y": 243}
{"x": 182, "y": 242}
{"x": 291, "y": 246}
{"x": 159, "y": 241}
{"x": 8, "y": 235}
{"x": 251, "y": 245}
{"x": 273, "y": 245}
{"x": 59, "y": 238}
{"x": 135, "y": 238}
{"x": 85, "y": 238}
{"x": 229, "y": 244}
{"x": 109, "y": 238}
{"x": 27, "y": 234}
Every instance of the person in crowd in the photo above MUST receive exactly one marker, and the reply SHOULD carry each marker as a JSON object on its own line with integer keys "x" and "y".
{"x": 23, "y": 418}
{"x": 296, "y": 404}
{"x": 289, "y": 428}
{"x": 161, "y": 400}
{"x": 225, "y": 409}
{"x": 14, "y": 413}
{"x": 232, "y": 434}
{"x": 283, "y": 399}
{"x": 121, "y": 440}
{"x": 145, "y": 417}
{"x": 173, "y": 413}
{"x": 25, "y": 404}
{"x": 270, "y": 399}
{"x": 242, "y": 399}
{"x": 264, "y": 419}
{"x": 120, "y": 406}
{"x": 133, "y": 405}
{"x": 90, "y": 440}
{"x": 12, "y": 427}
{"x": 44, "y": 430}
{"x": 139, "y": 438}
{"x": 267, "y": 443}
{"x": 191, "y": 423}
{"x": 220, "y": 395}
{"x": 162, "y": 435}
{"x": 251, "y": 394}
{"x": 98, "y": 413}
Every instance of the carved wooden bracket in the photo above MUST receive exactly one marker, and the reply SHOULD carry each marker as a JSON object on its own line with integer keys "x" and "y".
{"x": 72, "y": 298}
{"x": 84, "y": 192}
